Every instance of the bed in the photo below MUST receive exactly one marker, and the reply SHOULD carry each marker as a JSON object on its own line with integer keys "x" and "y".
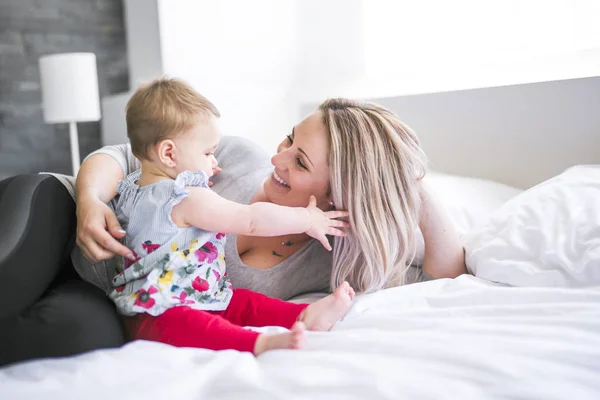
{"x": 463, "y": 338}
{"x": 524, "y": 325}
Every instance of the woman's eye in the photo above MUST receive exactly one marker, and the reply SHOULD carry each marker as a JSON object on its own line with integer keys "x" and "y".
{"x": 290, "y": 140}
{"x": 299, "y": 162}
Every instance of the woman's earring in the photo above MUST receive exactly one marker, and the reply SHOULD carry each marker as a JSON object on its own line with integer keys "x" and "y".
{"x": 331, "y": 204}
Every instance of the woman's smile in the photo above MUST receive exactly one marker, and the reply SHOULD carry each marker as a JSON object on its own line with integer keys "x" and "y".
{"x": 279, "y": 180}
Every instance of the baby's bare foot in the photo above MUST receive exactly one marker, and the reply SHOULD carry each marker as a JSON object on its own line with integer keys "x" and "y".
{"x": 322, "y": 315}
{"x": 293, "y": 340}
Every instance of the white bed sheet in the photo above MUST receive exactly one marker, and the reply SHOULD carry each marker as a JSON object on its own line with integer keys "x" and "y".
{"x": 445, "y": 339}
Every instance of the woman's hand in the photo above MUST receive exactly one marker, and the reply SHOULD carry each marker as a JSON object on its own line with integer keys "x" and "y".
{"x": 444, "y": 254}
{"x": 97, "y": 226}
{"x": 324, "y": 223}
{"x": 98, "y": 230}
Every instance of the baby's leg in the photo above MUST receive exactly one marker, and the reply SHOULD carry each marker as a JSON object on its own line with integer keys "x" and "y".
{"x": 294, "y": 339}
{"x": 323, "y": 314}
{"x": 255, "y": 309}
{"x": 187, "y": 327}
{"x": 248, "y": 308}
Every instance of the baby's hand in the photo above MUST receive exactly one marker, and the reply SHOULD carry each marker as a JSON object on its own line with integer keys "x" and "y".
{"x": 215, "y": 171}
{"x": 325, "y": 223}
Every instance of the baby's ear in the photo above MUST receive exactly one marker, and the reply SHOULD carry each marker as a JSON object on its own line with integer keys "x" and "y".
{"x": 166, "y": 151}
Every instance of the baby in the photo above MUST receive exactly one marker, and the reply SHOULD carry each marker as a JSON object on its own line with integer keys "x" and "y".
{"x": 175, "y": 289}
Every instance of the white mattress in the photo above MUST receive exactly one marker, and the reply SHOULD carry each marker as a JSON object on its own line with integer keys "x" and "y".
{"x": 456, "y": 339}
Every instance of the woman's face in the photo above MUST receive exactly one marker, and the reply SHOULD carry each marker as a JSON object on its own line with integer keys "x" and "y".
{"x": 301, "y": 166}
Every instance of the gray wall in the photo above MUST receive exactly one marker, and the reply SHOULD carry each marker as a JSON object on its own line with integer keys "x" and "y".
{"x": 519, "y": 135}
{"x": 29, "y": 29}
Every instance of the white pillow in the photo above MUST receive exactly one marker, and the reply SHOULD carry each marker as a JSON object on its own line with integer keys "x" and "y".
{"x": 469, "y": 201}
{"x": 548, "y": 236}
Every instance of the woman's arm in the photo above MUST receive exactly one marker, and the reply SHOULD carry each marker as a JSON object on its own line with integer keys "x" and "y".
{"x": 206, "y": 210}
{"x": 97, "y": 225}
{"x": 444, "y": 254}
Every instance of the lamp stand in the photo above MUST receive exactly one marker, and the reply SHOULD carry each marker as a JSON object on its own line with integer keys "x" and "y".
{"x": 74, "y": 147}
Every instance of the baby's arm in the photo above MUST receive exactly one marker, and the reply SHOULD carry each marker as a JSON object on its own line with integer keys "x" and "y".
{"x": 206, "y": 210}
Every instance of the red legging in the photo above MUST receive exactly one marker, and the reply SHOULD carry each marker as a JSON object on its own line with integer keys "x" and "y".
{"x": 216, "y": 330}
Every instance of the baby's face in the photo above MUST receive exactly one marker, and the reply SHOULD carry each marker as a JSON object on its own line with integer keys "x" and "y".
{"x": 196, "y": 149}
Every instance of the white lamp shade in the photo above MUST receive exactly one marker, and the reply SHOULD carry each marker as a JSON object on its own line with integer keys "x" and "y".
{"x": 69, "y": 87}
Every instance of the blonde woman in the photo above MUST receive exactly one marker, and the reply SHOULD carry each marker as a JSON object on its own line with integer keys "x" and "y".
{"x": 351, "y": 156}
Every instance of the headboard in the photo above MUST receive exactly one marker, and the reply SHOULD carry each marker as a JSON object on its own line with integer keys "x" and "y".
{"x": 518, "y": 135}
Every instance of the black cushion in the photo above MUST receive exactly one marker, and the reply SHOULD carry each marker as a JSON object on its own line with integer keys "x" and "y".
{"x": 37, "y": 216}
{"x": 72, "y": 318}
{"x": 45, "y": 309}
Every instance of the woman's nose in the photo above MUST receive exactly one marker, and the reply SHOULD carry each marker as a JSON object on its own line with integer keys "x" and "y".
{"x": 215, "y": 162}
{"x": 281, "y": 159}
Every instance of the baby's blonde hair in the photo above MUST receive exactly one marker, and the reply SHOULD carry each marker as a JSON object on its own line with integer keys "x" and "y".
{"x": 162, "y": 109}
{"x": 376, "y": 164}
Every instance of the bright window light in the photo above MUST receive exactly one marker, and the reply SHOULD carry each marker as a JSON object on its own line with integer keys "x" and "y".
{"x": 431, "y": 45}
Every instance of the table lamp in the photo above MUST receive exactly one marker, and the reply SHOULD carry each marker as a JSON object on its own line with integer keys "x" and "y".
{"x": 70, "y": 93}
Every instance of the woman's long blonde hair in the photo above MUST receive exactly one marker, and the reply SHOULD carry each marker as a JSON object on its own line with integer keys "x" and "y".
{"x": 376, "y": 164}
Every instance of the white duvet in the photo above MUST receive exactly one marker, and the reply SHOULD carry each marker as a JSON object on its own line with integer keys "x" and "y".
{"x": 445, "y": 339}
